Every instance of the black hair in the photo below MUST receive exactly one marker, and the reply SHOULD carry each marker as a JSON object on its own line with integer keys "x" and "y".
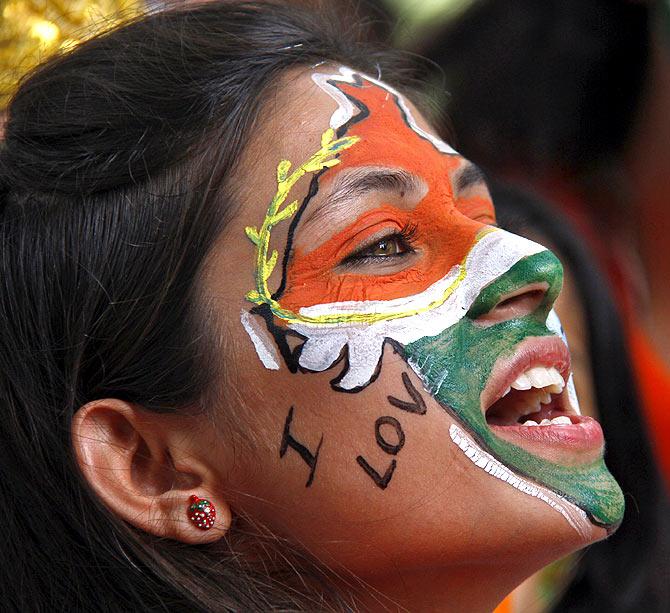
{"x": 544, "y": 87}
{"x": 113, "y": 185}
{"x": 628, "y": 571}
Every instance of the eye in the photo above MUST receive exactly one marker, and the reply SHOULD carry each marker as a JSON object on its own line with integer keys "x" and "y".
{"x": 393, "y": 246}
{"x": 386, "y": 247}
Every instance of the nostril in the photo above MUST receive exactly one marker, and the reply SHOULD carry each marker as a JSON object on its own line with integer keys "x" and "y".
{"x": 513, "y": 305}
{"x": 516, "y": 302}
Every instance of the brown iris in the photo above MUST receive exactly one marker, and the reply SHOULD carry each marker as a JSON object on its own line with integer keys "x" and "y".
{"x": 385, "y": 247}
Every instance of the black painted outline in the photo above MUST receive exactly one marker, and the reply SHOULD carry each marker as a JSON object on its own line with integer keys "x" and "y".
{"x": 334, "y": 383}
{"x": 291, "y": 357}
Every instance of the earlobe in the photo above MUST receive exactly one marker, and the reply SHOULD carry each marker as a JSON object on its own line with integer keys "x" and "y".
{"x": 142, "y": 468}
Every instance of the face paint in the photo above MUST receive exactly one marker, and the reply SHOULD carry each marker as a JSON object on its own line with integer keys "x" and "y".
{"x": 431, "y": 302}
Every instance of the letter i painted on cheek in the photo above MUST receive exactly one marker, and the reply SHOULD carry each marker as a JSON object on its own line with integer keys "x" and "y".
{"x": 288, "y": 441}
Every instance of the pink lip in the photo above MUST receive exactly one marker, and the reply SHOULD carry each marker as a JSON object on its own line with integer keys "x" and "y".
{"x": 583, "y": 434}
{"x": 581, "y": 440}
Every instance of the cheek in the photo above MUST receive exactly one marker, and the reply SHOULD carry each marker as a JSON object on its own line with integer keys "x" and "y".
{"x": 369, "y": 480}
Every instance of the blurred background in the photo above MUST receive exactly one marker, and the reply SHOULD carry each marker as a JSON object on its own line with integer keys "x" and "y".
{"x": 565, "y": 105}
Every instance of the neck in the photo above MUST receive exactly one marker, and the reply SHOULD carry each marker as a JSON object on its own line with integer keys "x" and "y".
{"x": 470, "y": 588}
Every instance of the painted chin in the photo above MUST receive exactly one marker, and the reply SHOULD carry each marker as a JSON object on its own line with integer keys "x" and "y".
{"x": 526, "y": 403}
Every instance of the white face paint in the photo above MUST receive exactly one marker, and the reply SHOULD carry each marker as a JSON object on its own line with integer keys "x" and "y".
{"x": 554, "y": 324}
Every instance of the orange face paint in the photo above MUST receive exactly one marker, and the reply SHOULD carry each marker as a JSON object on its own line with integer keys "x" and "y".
{"x": 444, "y": 228}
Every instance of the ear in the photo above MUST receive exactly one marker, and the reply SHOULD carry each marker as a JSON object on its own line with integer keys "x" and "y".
{"x": 145, "y": 468}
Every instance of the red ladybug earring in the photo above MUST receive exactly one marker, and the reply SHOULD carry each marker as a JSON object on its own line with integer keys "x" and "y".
{"x": 201, "y": 512}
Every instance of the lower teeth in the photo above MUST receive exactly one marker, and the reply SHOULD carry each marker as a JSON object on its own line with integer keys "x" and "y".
{"x": 561, "y": 420}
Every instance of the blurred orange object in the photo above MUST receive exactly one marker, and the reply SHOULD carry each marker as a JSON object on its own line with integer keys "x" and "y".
{"x": 653, "y": 380}
{"x": 505, "y": 606}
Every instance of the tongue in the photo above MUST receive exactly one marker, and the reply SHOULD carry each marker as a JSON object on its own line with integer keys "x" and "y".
{"x": 520, "y": 405}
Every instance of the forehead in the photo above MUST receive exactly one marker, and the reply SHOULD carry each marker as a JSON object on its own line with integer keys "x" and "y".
{"x": 304, "y": 103}
{"x": 296, "y": 112}
{"x": 294, "y": 115}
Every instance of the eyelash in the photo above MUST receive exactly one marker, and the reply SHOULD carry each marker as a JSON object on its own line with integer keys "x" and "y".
{"x": 407, "y": 237}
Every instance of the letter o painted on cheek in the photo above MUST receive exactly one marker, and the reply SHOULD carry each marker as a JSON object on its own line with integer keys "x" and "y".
{"x": 389, "y": 447}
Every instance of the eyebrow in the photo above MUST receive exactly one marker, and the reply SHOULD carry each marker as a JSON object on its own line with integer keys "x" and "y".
{"x": 356, "y": 184}
{"x": 469, "y": 176}
{"x": 360, "y": 182}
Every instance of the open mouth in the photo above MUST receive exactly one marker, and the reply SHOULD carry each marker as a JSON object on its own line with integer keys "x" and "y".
{"x": 526, "y": 402}
{"x": 536, "y": 397}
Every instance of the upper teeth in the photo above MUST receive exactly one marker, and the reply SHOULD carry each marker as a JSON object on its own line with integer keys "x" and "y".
{"x": 540, "y": 377}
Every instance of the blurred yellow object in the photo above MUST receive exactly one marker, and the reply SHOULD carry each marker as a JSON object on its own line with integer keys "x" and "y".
{"x": 420, "y": 18}
{"x": 32, "y": 30}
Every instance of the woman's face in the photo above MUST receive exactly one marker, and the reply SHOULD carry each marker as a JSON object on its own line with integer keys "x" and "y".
{"x": 391, "y": 352}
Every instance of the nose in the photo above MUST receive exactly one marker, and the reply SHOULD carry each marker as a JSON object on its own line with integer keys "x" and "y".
{"x": 529, "y": 287}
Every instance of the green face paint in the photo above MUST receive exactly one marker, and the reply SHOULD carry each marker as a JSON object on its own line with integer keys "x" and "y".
{"x": 467, "y": 352}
